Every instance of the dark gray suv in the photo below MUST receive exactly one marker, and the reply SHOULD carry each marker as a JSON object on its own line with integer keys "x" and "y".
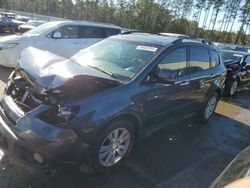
{"x": 93, "y": 106}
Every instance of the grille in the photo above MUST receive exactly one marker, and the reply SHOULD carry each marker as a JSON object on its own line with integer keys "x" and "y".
{"x": 22, "y": 96}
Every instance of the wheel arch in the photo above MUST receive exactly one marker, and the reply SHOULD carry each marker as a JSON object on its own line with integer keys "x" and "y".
{"x": 236, "y": 75}
{"x": 128, "y": 116}
{"x": 219, "y": 92}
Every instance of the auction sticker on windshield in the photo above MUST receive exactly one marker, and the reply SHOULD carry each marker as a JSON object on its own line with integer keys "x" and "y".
{"x": 146, "y": 48}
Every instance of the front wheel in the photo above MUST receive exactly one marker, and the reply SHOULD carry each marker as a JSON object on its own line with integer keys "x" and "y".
{"x": 210, "y": 106}
{"x": 114, "y": 145}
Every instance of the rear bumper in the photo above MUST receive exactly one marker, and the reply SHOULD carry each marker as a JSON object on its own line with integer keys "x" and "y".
{"x": 29, "y": 136}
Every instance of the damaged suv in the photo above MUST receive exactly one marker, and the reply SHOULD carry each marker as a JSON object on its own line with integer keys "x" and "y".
{"x": 92, "y": 107}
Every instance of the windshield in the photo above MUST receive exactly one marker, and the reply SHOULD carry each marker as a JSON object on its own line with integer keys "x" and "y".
{"x": 120, "y": 58}
{"x": 231, "y": 56}
{"x": 42, "y": 28}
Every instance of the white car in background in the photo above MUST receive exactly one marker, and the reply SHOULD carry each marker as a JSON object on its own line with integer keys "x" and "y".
{"x": 63, "y": 38}
{"x": 31, "y": 24}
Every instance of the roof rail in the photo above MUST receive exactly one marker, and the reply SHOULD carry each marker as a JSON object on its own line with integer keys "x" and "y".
{"x": 165, "y": 35}
{"x": 130, "y": 32}
{"x": 138, "y": 31}
{"x": 175, "y": 35}
{"x": 178, "y": 39}
{"x": 194, "y": 39}
{"x": 95, "y": 22}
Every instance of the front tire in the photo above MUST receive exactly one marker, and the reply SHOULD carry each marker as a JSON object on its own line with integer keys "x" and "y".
{"x": 114, "y": 145}
{"x": 210, "y": 106}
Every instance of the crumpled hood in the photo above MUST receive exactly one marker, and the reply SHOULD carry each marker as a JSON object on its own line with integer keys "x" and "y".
{"x": 45, "y": 71}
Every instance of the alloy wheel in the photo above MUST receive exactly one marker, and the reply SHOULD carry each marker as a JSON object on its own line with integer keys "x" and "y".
{"x": 114, "y": 147}
{"x": 210, "y": 107}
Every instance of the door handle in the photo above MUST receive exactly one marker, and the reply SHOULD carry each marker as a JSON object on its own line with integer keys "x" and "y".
{"x": 185, "y": 83}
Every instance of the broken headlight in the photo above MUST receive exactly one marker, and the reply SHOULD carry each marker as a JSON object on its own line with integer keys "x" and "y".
{"x": 60, "y": 115}
{"x": 67, "y": 113}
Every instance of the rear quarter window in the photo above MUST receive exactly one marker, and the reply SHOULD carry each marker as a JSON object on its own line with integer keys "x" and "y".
{"x": 90, "y": 32}
{"x": 247, "y": 60}
{"x": 111, "y": 32}
{"x": 215, "y": 58}
{"x": 68, "y": 31}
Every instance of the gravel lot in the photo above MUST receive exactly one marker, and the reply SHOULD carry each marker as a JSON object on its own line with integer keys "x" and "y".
{"x": 186, "y": 155}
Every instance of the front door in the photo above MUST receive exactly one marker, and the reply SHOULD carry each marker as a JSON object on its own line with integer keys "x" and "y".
{"x": 169, "y": 102}
{"x": 63, "y": 41}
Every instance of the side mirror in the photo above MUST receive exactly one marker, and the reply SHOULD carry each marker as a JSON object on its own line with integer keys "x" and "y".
{"x": 57, "y": 35}
{"x": 167, "y": 76}
{"x": 243, "y": 63}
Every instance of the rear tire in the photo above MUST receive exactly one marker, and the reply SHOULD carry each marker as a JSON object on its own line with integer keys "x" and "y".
{"x": 231, "y": 87}
{"x": 209, "y": 107}
{"x": 12, "y": 29}
{"x": 114, "y": 145}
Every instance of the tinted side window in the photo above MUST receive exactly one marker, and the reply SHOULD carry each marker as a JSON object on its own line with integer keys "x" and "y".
{"x": 247, "y": 60}
{"x": 215, "y": 59}
{"x": 199, "y": 59}
{"x": 6, "y": 19}
{"x": 176, "y": 60}
{"x": 110, "y": 32}
{"x": 68, "y": 31}
{"x": 90, "y": 32}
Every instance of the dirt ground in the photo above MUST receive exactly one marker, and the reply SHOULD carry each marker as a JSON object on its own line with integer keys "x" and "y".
{"x": 185, "y": 155}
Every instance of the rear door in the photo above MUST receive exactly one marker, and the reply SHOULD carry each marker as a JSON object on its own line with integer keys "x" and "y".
{"x": 201, "y": 74}
{"x": 88, "y": 35}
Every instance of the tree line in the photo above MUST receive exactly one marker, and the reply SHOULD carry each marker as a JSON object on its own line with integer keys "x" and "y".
{"x": 210, "y": 19}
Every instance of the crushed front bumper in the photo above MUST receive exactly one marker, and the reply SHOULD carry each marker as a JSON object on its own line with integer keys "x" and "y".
{"x": 24, "y": 136}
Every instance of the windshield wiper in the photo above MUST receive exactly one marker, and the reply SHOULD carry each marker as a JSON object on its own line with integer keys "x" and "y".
{"x": 104, "y": 71}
